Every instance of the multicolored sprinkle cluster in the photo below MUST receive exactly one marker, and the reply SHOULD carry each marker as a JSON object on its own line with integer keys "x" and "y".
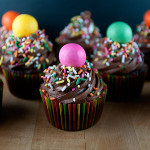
{"x": 116, "y": 50}
{"x": 28, "y": 49}
{"x": 142, "y": 29}
{"x": 4, "y": 33}
{"x": 69, "y": 75}
{"x": 80, "y": 27}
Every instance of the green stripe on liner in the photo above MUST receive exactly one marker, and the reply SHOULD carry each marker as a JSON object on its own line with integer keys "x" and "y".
{"x": 65, "y": 115}
{"x": 83, "y": 115}
{"x": 51, "y": 112}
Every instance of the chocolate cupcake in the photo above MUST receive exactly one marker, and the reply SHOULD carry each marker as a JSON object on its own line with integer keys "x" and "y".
{"x": 142, "y": 38}
{"x": 6, "y": 28}
{"x": 73, "y": 93}
{"x": 82, "y": 31}
{"x": 120, "y": 62}
{"x": 27, "y": 52}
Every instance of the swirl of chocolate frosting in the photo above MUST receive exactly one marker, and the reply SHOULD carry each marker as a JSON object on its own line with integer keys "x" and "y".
{"x": 72, "y": 85}
{"x": 31, "y": 53}
{"x": 114, "y": 58}
{"x": 81, "y": 30}
{"x": 142, "y": 37}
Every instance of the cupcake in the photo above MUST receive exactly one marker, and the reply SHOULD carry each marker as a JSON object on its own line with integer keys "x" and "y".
{"x": 73, "y": 93}
{"x": 142, "y": 38}
{"x": 82, "y": 31}
{"x": 120, "y": 63}
{"x": 6, "y": 28}
{"x": 26, "y": 53}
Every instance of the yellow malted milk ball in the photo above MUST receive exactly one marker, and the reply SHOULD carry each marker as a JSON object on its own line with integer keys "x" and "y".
{"x": 24, "y": 25}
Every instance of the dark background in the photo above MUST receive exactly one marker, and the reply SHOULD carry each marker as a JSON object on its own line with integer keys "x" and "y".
{"x": 54, "y": 15}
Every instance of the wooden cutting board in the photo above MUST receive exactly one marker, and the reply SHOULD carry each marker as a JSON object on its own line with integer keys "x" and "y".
{"x": 123, "y": 126}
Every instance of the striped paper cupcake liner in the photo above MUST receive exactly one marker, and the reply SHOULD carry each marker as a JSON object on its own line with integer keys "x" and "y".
{"x": 147, "y": 61}
{"x": 126, "y": 87}
{"x": 74, "y": 117}
{"x": 1, "y": 93}
{"x": 23, "y": 85}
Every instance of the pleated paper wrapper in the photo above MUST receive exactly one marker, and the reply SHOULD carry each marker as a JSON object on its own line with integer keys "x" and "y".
{"x": 74, "y": 117}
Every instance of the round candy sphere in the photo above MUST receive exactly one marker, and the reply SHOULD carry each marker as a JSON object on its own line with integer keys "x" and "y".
{"x": 8, "y": 18}
{"x": 72, "y": 55}
{"x": 24, "y": 25}
{"x": 146, "y": 18}
{"x": 119, "y": 32}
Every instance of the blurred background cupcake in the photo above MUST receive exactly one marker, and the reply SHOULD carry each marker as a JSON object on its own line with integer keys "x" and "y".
{"x": 142, "y": 38}
{"x": 26, "y": 53}
{"x": 120, "y": 63}
{"x": 73, "y": 93}
{"x": 6, "y": 27}
{"x": 80, "y": 30}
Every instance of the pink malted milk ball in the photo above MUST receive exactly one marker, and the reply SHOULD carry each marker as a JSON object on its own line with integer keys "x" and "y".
{"x": 72, "y": 55}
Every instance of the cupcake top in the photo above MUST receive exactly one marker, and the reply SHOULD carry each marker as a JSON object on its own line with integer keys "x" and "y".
{"x": 4, "y": 33}
{"x": 6, "y": 28}
{"x": 81, "y": 30}
{"x": 27, "y": 52}
{"x": 30, "y": 53}
{"x": 142, "y": 35}
{"x": 114, "y": 57}
{"x": 69, "y": 84}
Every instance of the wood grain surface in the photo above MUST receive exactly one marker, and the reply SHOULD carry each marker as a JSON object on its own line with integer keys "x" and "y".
{"x": 123, "y": 126}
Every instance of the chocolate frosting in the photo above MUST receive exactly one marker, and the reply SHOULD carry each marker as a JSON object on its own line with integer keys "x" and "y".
{"x": 114, "y": 58}
{"x": 142, "y": 37}
{"x": 31, "y": 53}
{"x": 4, "y": 33}
{"x": 81, "y": 30}
{"x": 72, "y": 85}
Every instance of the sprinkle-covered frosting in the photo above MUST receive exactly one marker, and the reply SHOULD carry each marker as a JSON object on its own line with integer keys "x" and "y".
{"x": 81, "y": 30}
{"x": 4, "y": 33}
{"x": 142, "y": 37}
{"x": 72, "y": 85}
{"x": 114, "y": 58}
{"x": 29, "y": 53}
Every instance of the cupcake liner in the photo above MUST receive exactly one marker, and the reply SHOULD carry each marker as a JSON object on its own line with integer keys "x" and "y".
{"x": 1, "y": 93}
{"x": 147, "y": 61}
{"x": 125, "y": 87}
{"x": 74, "y": 117}
{"x": 23, "y": 85}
